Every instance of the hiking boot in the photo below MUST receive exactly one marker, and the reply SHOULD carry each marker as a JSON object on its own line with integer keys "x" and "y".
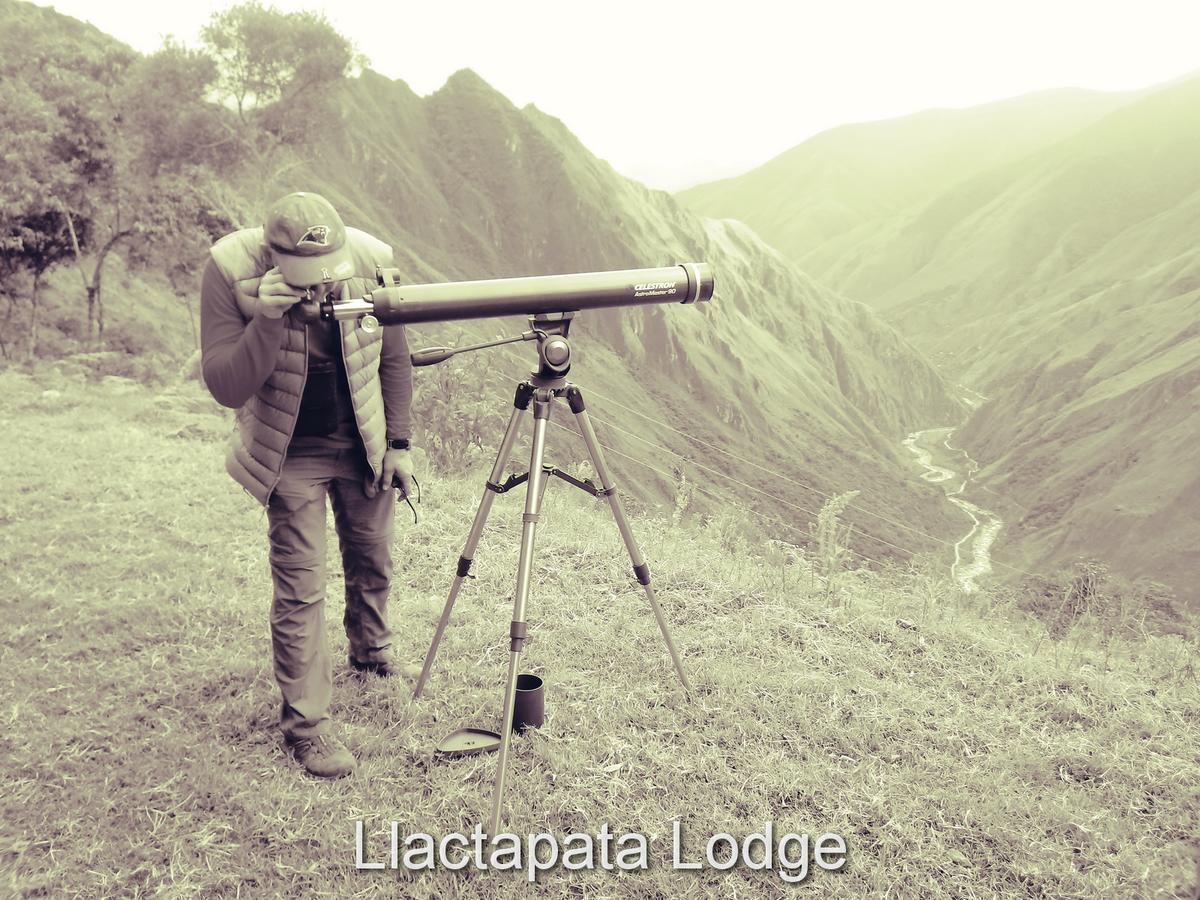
{"x": 384, "y": 664}
{"x": 322, "y": 755}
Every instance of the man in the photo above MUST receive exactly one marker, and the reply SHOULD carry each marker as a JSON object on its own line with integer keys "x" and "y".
{"x": 322, "y": 409}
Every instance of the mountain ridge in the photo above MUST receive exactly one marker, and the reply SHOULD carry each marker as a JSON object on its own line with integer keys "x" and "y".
{"x": 852, "y": 175}
{"x": 551, "y": 236}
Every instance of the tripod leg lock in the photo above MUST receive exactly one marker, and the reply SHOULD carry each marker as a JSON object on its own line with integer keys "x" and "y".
{"x": 509, "y": 483}
{"x": 523, "y": 396}
{"x": 464, "y": 566}
{"x": 642, "y": 573}
{"x": 519, "y": 632}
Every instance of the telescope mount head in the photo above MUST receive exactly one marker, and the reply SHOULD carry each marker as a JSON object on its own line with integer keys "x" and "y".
{"x": 554, "y": 350}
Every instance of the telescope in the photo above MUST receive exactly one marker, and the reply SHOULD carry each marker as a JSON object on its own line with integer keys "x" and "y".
{"x": 550, "y": 302}
{"x": 398, "y": 304}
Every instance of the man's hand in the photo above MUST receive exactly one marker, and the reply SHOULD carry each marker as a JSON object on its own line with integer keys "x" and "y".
{"x": 398, "y": 465}
{"x": 276, "y": 296}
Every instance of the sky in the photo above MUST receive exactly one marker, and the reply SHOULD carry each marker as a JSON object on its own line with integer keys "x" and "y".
{"x": 674, "y": 93}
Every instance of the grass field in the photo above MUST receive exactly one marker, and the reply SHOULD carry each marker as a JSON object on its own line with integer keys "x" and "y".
{"x": 958, "y": 749}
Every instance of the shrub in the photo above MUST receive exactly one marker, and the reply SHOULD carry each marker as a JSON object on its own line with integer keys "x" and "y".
{"x": 830, "y": 538}
{"x": 684, "y": 495}
{"x": 1088, "y": 594}
{"x": 147, "y": 368}
{"x": 1062, "y": 599}
{"x": 456, "y": 418}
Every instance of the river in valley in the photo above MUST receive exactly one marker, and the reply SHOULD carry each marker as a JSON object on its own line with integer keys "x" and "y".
{"x": 952, "y": 468}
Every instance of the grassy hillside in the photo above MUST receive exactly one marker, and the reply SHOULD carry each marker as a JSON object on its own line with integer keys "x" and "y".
{"x": 959, "y": 748}
{"x": 778, "y": 373}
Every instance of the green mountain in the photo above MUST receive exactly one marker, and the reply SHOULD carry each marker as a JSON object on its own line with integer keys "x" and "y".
{"x": 1062, "y": 282}
{"x": 778, "y": 376}
{"x": 776, "y": 370}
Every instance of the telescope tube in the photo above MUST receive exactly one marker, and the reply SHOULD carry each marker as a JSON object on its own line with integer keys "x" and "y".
{"x": 408, "y": 304}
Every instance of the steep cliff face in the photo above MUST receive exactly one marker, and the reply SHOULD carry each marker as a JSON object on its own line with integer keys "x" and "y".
{"x": 776, "y": 369}
{"x": 1097, "y": 446}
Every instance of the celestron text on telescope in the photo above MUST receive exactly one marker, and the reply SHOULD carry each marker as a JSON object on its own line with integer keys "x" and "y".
{"x": 654, "y": 289}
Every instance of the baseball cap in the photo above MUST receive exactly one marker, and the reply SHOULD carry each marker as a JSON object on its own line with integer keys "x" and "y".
{"x": 308, "y": 240}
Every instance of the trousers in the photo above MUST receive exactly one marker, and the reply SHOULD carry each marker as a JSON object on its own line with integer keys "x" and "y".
{"x": 297, "y": 529}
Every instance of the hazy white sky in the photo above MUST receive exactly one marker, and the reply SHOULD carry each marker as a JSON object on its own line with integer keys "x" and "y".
{"x": 673, "y": 93}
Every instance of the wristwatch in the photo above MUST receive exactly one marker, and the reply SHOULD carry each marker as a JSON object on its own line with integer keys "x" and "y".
{"x": 397, "y": 443}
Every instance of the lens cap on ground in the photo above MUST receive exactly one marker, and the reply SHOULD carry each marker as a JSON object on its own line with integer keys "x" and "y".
{"x": 468, "y": 742}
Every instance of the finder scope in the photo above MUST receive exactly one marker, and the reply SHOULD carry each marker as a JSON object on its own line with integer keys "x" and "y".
{"x": 397, "y": 304}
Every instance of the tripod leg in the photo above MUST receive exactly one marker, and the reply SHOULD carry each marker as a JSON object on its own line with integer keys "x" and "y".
{"x": 520, "y": 404}
{"x": 640, "y": 569}
{"x": 518, "y": 630}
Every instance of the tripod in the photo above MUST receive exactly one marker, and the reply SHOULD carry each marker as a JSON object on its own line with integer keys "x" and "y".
{"x": 541, "y": 389}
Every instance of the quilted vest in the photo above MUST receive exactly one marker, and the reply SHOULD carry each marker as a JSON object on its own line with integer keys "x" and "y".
{"x": 265, "y": 422}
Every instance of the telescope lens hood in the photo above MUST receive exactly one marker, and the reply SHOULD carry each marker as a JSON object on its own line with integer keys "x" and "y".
{"x": 700, "y": 282}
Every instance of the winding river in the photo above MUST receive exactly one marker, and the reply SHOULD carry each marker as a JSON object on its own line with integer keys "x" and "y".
{"x": 972, "y": 553}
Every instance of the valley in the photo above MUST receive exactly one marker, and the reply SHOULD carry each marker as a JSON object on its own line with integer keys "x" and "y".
{"x": 1043, "y": 250}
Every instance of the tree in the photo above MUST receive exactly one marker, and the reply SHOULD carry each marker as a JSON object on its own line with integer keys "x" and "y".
{"x": 276, "y": 70}
{"x": 69, "y": 173}
{"x": 102, "y": 190}
{"x": 33, "y": 236}
{"x": 32, "y": 171}
{"x": 177, "y": 230}
{"x": 162, "y": 192}
{"x": 163, "y": 101}
{"x": 129, "y": 142}
{"x": 106, "y": 151}
{"x": 33, "y": 245}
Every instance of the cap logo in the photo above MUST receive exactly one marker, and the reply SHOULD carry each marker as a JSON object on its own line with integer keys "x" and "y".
{"x": 316, "y": 236}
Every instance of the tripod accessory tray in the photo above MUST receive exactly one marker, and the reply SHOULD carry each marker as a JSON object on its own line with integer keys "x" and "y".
{"x": 468, "y": 742}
